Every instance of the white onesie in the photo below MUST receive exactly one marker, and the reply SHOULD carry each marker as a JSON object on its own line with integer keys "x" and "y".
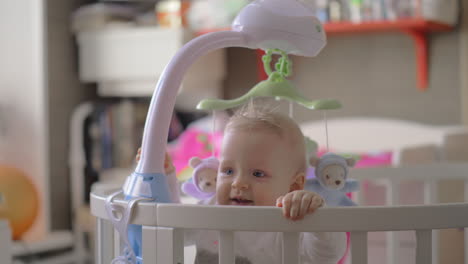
{"x": 266, "y": 247}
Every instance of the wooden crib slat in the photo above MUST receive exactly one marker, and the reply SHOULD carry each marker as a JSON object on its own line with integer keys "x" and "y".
{"x": 178, "y": 246}
{"x": 359, "y": 247}
{"x": 424, "y": 246}
{"x": 149, "y": 241}
{"x": 104, "y": 241}
{"x": 290, "y": 247}
{"x": 391, "y": 247}
{"x": 226, "y": 247}
{"x": 431, "y": 197}
{"x": 170, "y": 246}
{"x": 392, "y": 194}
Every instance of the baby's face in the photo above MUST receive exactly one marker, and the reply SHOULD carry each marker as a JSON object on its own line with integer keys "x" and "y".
{"x": 255, "y": 168}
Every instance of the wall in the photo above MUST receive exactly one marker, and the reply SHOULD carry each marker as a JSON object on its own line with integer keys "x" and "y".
{"x": 23, "y": 98}
{"x": 372, "y": 75}
{"x": 65, "y": 93}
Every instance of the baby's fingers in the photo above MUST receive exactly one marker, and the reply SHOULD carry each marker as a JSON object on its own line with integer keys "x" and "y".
{"x": 316, "y": 202}
{"x": 286, "y": 204}
{"x": 296, "y": 205}
{"x": 305, "y": 204}
{"x": 279, "y": 201}
{"x": 138, "y": 156}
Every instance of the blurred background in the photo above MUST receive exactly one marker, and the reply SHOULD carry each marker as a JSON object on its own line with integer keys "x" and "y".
{"x": 76, "y": 79}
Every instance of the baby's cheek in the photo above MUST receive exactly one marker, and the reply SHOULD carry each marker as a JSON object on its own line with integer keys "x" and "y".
{"x": 266, "y": 197}
{"x": 222, "y": 192}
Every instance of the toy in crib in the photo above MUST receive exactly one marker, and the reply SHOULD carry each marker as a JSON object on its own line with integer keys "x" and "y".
{"x": 202, "y": 185}
{"x": 331, "y": 181}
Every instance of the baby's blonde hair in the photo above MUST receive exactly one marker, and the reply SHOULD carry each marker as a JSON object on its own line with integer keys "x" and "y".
{"x": 263, "y": 117}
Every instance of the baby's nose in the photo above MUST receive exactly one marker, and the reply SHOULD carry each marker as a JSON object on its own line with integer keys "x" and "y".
{"x": 240, "y": 184}
{"x": 338, "y": 182}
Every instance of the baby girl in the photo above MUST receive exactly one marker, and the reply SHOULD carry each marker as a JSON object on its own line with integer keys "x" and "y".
{"x": 263, "y": 163}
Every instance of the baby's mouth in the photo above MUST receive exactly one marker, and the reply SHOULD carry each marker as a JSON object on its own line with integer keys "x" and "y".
{"x": 241, "y": 201}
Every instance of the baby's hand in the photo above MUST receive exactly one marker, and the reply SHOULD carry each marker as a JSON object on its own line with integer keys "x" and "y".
{"x": 168, "y": 165}
{"x": 297, "y": 204}
{"x": 138, "y": 155}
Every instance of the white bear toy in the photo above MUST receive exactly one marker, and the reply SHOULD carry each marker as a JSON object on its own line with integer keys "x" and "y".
{"x": 331, "y": 180}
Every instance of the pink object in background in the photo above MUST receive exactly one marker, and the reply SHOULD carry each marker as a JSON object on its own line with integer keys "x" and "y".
{"x": 343, "y": 259}
{"x": 367, "y": 159}
{"x": 194, "y": 142}
{"x": 375, "y": 159}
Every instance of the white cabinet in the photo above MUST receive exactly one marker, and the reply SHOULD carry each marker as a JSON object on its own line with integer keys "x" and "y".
{"x": 127, "y": 61}
{"x": 128, "y": 53}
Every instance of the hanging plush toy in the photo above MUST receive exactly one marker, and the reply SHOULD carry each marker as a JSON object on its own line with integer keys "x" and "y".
{"x": 331, "y": 180}
{"x": 202, "y": 185}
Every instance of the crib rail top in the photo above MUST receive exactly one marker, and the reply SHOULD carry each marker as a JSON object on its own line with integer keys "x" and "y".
{"x": 270, "y": 219}
{"x": 366, "y": 218}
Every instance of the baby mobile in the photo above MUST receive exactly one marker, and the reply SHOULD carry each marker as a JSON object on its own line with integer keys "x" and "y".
{"x": 276, "y": 26}
{"x": 202, "y": 183}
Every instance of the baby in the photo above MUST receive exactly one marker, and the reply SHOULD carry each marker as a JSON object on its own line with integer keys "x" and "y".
{"x": 263, "y": 163}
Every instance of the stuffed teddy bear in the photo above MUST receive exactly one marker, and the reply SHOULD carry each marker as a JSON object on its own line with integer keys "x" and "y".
{"x": 202, "y": 185}
{"x": 331, "y": 180}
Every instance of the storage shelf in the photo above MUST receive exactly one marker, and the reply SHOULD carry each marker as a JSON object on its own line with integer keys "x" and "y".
{"x": 417, "y": 28}
{"x": 382, "y": 26}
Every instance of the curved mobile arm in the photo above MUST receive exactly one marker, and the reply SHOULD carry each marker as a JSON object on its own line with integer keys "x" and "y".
{"x": 163, "y": 100}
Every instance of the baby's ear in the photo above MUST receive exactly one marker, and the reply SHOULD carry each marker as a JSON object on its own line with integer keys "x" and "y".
{"x": 313, "y": 161}
{"x": 350, "y": 162}
{"x": 298, "y": 182}
{"x": 194, "y": 162}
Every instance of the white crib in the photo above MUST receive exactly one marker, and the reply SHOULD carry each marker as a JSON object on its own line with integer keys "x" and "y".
{"x": 164, "y": 224}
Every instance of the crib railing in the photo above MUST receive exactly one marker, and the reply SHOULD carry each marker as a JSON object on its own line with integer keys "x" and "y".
{"x": 430, "y": 174}
{"x": 164, "y": 224}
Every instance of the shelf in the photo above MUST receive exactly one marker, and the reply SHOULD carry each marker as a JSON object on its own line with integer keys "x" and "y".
{"x": 386, "y": 26}
{"x": 415, "y": 28}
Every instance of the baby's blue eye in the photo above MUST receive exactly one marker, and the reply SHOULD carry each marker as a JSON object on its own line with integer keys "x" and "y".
{"x": 228, "y": 171}
{"x": 258, "y": 174}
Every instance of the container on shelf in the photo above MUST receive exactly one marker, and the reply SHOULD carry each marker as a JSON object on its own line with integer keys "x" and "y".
{"x": 445, "y": 11}
{"x": 172, "y": 13}
{"x": 127, "y": 61}
{"x": 359, "y": 11}
{"x": 126, "y": 53}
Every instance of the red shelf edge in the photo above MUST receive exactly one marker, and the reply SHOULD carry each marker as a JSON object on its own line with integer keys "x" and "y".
{"x": 378, "y": 26}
